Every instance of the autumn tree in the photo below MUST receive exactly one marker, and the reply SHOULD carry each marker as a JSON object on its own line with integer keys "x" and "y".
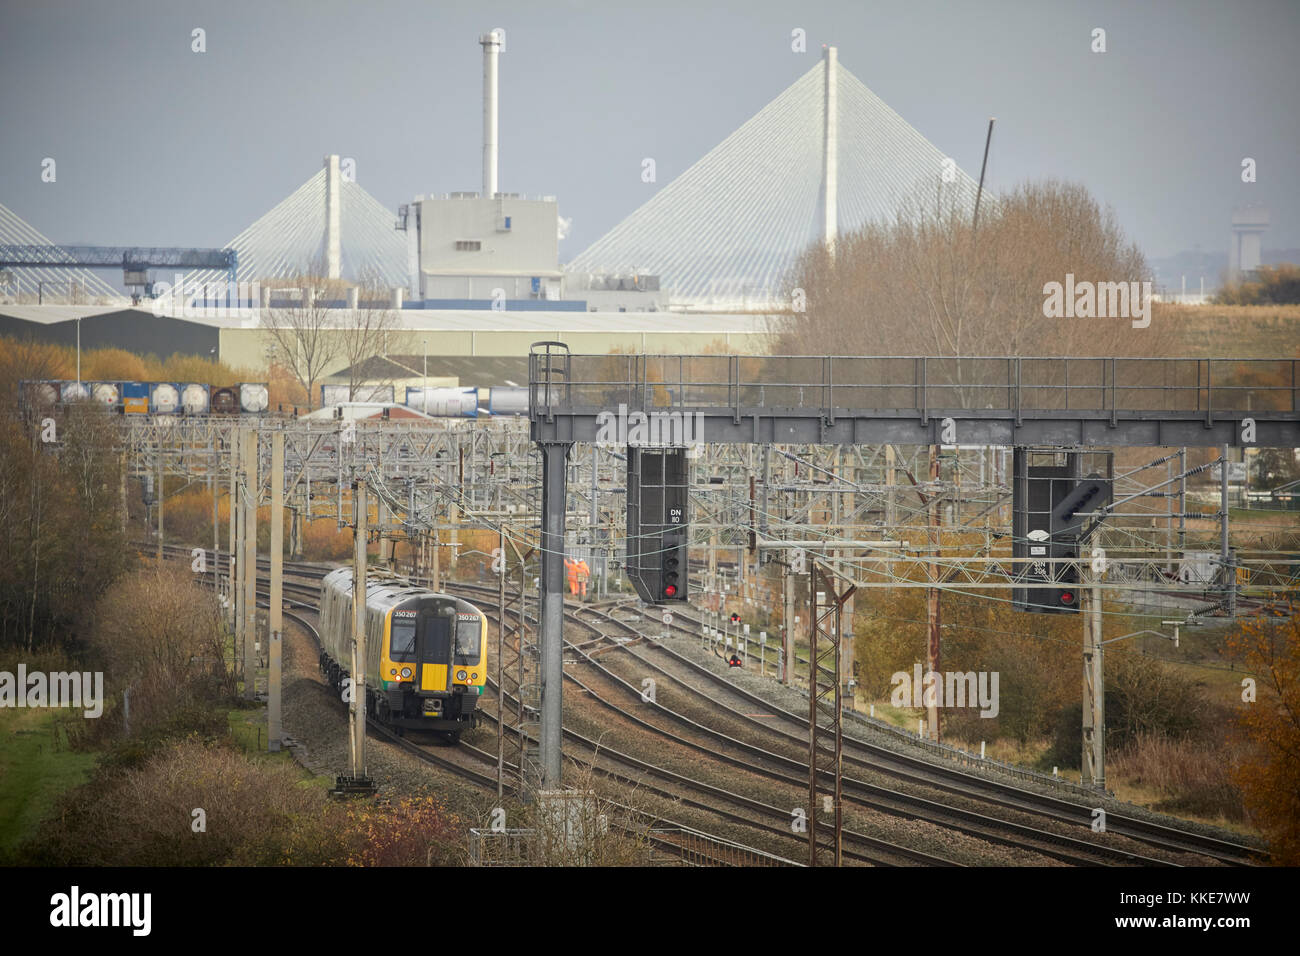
{"x": 1268, "y": 647}
{"x": 931, "y": 283}
{"x": 61, "y": 537}
{"x": 1270, "y": 285}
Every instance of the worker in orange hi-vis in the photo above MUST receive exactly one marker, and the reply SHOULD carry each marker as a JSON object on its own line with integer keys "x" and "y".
{"x": 571, "y": 572}
{"x": 584, "y": 575}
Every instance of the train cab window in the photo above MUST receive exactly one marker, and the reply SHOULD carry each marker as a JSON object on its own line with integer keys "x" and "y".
{"x": 468, "y": 634}
{"x": 402, "y": 647}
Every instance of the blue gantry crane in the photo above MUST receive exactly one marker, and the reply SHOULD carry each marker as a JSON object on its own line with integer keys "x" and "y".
{"x": 134, "y": 261}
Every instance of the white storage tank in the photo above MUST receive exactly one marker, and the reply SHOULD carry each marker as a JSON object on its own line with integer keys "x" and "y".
{"x": 508, "y": 401}
{"x": 253, "y": 398}
{"x": 74, "y": 392}
{"x": 164, "y": 398}
{"x": 444, "y": 402}
{"x": 195, "y": 399}
{"x": 42, "y": 393}
{"x": 106, "y": 393}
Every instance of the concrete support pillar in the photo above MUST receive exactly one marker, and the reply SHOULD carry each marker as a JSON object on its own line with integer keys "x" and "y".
{"x": 121, "y": 464}
{"x": 276, "y": 625}
{"x": 357, "y": 670}
{"x": 234, "y": 610}
{"x": 934, "y": 617}
{"x": 787, "y": 632}
{"x": 333, "y": 209}
{"x": 249, "y": 447}
{"x": 1094, "y": 696}
{"x": 161, "y": 496}
{"x": 830, "y": 149}
{"x": 554, "y": 477}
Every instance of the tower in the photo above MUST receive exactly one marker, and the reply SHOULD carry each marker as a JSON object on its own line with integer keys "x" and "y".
{"x": 1248, "y": 225}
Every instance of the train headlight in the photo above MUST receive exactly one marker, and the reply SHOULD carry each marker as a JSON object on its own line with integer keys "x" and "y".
{"x": 460, "y": 675}
{"x": 406, "y": 672}
{"x": 473, "y": 677}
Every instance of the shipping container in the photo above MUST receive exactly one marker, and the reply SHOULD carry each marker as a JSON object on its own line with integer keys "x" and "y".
{"x": 444, "y": 402}
{"x": 508, "y": 401}
{"x": 107, "y": 393}
{"x": 253, "y": 398}
{"x": 135, "y": 398}
{"x": 334, "y": 394}
{"x": 195, "y": 399}
{"x": 164, "y": 398}
{"x": 225, "y": 401}
{"x": 74, "y": 392}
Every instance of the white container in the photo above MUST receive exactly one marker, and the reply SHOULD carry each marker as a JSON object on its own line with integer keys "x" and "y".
{"x": 164, "y": 399}
{"x": 195, "y": 399}
{"x": 74, "y": 391}
{"x": 253, "y": 398}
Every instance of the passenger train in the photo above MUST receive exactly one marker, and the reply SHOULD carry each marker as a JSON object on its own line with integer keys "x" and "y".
{"x": 426, "y": 653}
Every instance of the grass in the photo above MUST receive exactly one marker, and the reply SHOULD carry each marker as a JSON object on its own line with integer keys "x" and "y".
{"x": 35, "y": 768}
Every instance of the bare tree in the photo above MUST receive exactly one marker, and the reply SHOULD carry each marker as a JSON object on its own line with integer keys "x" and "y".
{"x": 372, "y": 329}
{"x": 305, "y": 336}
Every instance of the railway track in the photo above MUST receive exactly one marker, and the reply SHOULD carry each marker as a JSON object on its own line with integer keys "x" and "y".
{"x": 688, "y": 843}
{"x": 788, "y": 770}
{"x": 904, "y": 766}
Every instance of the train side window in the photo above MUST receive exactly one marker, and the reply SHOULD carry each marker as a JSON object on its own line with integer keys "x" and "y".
{"x": 468, "y": 634}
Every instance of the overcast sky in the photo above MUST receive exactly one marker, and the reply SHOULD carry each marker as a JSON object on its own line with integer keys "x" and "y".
{"x": 158, "y": 145}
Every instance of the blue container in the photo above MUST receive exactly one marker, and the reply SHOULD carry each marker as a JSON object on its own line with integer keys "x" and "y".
{"x": 135, "y": 398}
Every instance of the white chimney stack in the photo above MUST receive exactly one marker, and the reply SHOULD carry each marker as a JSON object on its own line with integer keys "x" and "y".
{"x": 491, "y": 43}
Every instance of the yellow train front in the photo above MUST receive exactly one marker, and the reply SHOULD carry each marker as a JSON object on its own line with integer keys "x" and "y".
{"x": 426, "y": 653}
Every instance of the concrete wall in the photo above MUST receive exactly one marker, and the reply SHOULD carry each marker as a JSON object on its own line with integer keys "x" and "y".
{"x": 247, "y": 347}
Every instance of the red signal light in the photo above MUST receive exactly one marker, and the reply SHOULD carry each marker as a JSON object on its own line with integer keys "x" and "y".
{"x": 735, "y": 618}
{"x": 1067, "y": 597}
{"x": 670, "y": 590}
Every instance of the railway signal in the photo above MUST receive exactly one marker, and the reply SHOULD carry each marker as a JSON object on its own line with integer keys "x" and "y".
{"x": 657, "y": 535}
{"x": 1050, "y": 507}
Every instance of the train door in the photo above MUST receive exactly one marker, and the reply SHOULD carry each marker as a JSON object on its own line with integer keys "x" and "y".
{"x": 433, "y": 650}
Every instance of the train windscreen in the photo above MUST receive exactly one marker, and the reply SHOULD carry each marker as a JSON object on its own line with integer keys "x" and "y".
{"x": 402, "y": 645}
{"x": 468, "y": 633}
